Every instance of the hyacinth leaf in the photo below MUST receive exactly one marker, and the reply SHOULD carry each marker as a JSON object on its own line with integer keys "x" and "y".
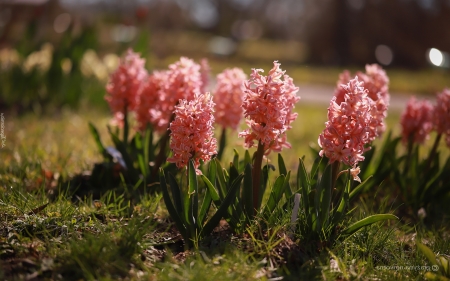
{"x": 247, "y": 193}
{"x": 222, "y": 144}
{"x": 212, "y": 172}
{"x": 97, "y": 139}
{"x": 343, "y": 201}
{"x": 427, "y": 252}
{"x": 434, "y": 277}
{"x": 318, "y": 163}
{"x": 204, "y": 209}
{"x": 139, "y": 146}
{"x": 275, "y": 195}
{"x": 247, "y": 158}
{"x": 148, "y": 147}
{"x": 221, "y": 179}
{"x": 126, "y": 157}
{"x": 445, "y": 265}
{"x": 191, "y": 200}
{"x": 303, "y": 186}
{"x": 222, "y": 210}
{"x": 326, "y": 184}
{"x": 236, "y": 159}
{"x": 176, "y": 194}
{"x": 287, "y": 186}
{"x": 170, "y": 207}
{"x": 265, "y": 179}
{"x": 212, "y": 191}
{"x": 358, "y": 188}
{"x": 234, "y": 173}
{"x": 281, "y": 165}
{"x": 367, "y": 221}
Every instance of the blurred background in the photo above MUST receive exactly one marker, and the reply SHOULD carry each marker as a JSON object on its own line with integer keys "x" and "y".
{"x": 60, "y": 53}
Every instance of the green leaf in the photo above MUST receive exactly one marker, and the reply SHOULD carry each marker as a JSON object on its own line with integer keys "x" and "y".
{"x": 121, "y": 146}
{"x": 304, "y": 187}
{"x": 247, "y": 192}
{"x": 212, "y": 191}
{"x": 140, "y": 155}
{"x": 265, "y": 179}
{"x": 287, "y": 186}
{"x": 97, "y": 139}
{"x": 367, "y": 221}
{"x": 281, "y": 165}
{"x": 427, "y": 252}
{"x": 233, "y": 174}
{"x": 170, "y": 208}
{"x": 247, "y": 158}
{"x": 358, "y": 188}
{"x": 191, "y": 200}
{"x": 221, "y": 179}
{"x": 236, "y": 159}
{"x": 343, "y": 201}
{"x": 204, "y": 209}
{"x": 148, "y": 147}
{"x": 212, "y": 172}
{"x": 275, "y": 194}
{"x": 326, "y": 184}
{"x": 222, "y": 144}
{"x": 176, "y": 194}
{"x": 222, "y": 211}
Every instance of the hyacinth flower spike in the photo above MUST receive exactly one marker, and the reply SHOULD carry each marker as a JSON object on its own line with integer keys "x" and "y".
{"x": 268, "y": 104}
{"x": 124, "y": 88}
{"x": 228, "y": 98}
{"x": 191, "y": 132}
{"x": 347, "y": 130}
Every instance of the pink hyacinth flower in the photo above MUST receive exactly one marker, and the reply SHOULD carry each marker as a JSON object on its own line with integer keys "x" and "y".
{"x": 125, "y": 84}
{"x": 442, "y": 113}
{"x": 416, "y": 121}
{"x": 165, "y": 89}
{"x": 192, "y": 131}
{"x": 268, "y": 104}
{"x": 228, "y": 97}
{"x": 377, "y": 83}
{"x": 348, "y": 126}
{"x": 149, "y": 109}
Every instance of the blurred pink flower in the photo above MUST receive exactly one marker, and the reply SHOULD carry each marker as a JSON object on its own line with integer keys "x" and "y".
{"x": 125, "y": 84}
{"x": 192, "y": 131}
{"x": 205, "y": 71}
{"x": 348, "y": 126}
{"x": 442, "y": 113}
{"x": 377, "y": 83}
{"x": 165, "y": 89}
{"x": 149, "y": 109}
{"x": 228, "y": 97}
{"x": 416, "y": 120}
{"x": 268, "y": 104}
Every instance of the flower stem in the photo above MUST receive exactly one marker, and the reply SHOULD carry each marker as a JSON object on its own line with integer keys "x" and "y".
{"x": 256, "y": 176}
